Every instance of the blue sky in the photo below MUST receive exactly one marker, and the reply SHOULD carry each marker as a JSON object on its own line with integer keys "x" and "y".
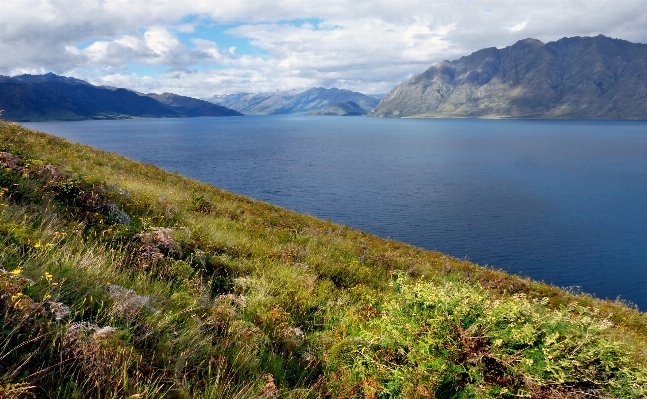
{"x": 204, "y": 47}
{"x": 218, "y": 34}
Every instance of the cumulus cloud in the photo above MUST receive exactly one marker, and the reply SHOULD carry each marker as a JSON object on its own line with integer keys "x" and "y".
{"x": 156, "y": 46}
{"x": 364, "y": 45}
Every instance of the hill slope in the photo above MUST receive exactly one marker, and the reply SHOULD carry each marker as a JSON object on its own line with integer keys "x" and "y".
{"x": 52, "y": 97}
{"x": 118, "y": 279}
{"x": 347, "y": 108}
{"x": 578, "y": 77}
{"x": 293, "y": 101}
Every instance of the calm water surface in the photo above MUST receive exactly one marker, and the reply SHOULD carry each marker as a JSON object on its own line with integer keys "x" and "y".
{"x": 564, "y": 202}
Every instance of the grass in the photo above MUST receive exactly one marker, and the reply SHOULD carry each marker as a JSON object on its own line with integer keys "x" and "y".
{"x": 118, "y": 279}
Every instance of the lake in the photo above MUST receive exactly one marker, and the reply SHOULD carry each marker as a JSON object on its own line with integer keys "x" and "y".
{"x": 563, "y": 202}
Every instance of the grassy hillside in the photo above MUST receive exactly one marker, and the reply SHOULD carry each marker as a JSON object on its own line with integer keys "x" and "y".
{"x": 118, "y": 279}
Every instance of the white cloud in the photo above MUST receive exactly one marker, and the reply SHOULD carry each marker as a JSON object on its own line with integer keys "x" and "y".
{"x": 366, "y": 45}
{"x": 519, "y": 27}
{"x": 156, "y": 46}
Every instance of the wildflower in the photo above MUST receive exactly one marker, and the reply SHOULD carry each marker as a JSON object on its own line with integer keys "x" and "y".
{"x": 38, "y": 245}
{"x": 16, "y": 271}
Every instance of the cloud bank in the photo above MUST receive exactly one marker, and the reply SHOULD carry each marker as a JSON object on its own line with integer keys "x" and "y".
{"x": 204, "y": 47}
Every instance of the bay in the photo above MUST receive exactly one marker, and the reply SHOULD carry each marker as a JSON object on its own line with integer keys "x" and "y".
{"x": 559, "y": 201}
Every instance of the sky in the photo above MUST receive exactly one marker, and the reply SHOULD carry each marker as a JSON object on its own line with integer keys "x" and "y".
{"x": 200, "y": 48}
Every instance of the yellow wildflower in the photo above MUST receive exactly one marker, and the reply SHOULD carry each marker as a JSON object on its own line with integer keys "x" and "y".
{"x": 38, "y": 245}
{"x": 16, "y": 271}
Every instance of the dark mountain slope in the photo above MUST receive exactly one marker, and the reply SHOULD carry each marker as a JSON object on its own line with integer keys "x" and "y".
{"x": 192, "y": 106}
{"x": 579, "y": 77}
{"x": 52, "y": 97}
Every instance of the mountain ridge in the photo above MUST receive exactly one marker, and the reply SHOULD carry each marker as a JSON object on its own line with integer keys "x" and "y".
{"x": 27, "y": 98}
{"x": 571, "y": 78}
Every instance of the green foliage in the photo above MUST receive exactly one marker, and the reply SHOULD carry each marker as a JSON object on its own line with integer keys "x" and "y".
{"x": 455, "y": 340}
{"x": 199, "y": 202}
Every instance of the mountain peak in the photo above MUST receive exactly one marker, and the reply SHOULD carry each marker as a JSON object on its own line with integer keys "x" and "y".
{"x": 577, "y": 77}
{"x": 529, "y": 42}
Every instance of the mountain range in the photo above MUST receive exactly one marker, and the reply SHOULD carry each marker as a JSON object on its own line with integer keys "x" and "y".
{"x": 571, "y": 78}
{"x": 293, "y": 101}
{"x": 52, "y": 97}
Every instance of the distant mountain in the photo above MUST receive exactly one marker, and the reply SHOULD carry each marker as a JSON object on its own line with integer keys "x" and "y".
{"x": 578, "y": 77}
{"x": 53, "y": 97}
{"x": 377, "y": 96}
{"x": 293, "y": 101}
{"x": 192, "y": 106}
{"x": 348, "y": 108}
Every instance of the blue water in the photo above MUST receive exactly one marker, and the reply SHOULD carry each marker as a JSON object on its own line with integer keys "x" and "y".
{"x": 559, "y": 201}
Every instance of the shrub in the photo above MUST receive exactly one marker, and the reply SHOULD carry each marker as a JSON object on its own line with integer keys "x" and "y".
{"x": 457, "y": 341}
